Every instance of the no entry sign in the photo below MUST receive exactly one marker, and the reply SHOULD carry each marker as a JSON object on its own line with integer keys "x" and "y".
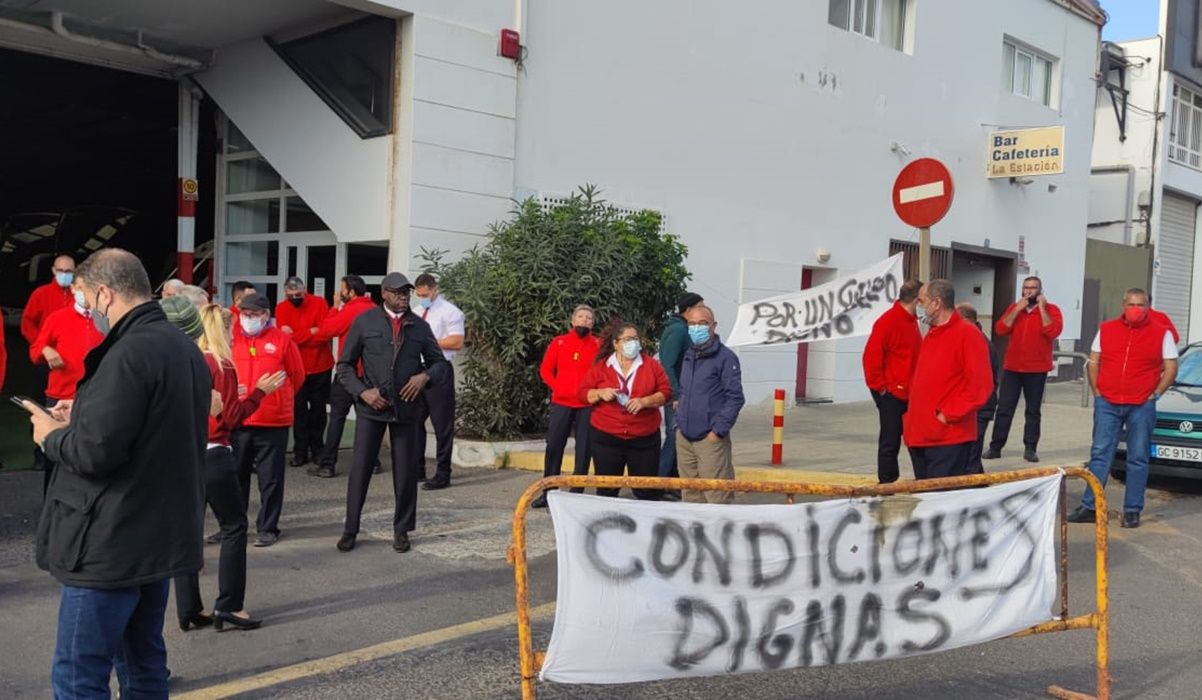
{"x": 922, "y": 193}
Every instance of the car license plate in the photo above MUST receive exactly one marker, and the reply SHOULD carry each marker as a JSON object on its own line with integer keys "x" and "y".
{"x": 1182, "y": 454}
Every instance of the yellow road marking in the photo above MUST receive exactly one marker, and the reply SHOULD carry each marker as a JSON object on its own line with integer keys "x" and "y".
{"x": 337, "y": 662}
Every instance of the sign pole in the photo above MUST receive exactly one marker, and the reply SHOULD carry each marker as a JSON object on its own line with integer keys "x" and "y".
{"x": 924, "y": 254}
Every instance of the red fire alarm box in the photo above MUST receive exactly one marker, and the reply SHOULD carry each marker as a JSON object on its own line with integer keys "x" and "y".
{"x": 511, "y": 44}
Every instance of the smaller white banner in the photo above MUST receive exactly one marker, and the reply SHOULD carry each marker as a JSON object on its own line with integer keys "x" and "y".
{"x": 844, "y": 308}
{"x": 650, "y": 590}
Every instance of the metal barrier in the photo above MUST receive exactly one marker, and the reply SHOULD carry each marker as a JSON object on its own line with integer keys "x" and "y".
{"x": 1098, "y": 620}
{"x": 1084, "y": 357}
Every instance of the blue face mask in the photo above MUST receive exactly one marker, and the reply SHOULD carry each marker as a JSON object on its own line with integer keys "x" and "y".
{"x": 630, "y": 349}
{"x": 80, "y": 300}
{"x": 424, "y": 303}
{"x": 64, "y": 279}
{"x": 699, "y": 334}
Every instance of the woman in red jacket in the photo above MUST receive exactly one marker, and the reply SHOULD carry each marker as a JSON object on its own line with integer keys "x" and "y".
{"x": 625, "y": 387}
{"x": 223, "y": 491}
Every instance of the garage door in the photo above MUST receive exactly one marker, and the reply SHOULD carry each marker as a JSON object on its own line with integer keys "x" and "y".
{"x": 1175, "y": 252}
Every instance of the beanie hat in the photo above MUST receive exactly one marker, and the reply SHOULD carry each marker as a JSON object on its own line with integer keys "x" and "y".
{"x": 183, "y": 315}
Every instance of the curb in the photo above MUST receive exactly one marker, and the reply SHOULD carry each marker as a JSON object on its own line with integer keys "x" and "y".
{"x": 533, "y": 462}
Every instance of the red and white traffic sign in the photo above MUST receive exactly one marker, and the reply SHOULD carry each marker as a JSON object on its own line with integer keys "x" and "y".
{"x": 922, "y": 193}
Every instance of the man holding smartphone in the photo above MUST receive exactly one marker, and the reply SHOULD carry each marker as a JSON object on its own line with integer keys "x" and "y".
{"x": 125, "y": 506}
{"x": 1033, "y": 325}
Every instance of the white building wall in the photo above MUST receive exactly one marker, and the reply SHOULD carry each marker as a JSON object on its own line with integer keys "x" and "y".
{"x": 766, "y": 134}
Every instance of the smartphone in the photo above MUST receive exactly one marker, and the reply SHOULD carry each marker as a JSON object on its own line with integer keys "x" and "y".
{"x": 20, "y": 402}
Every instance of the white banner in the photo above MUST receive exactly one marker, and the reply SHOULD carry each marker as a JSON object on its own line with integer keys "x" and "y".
{"x": 652, "y": 590}
{"x": 844, "y": 308}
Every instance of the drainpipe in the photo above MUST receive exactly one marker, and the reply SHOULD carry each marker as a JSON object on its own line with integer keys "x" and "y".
{"x": 60, "y": 30}
{"x": 1129, "y": 207}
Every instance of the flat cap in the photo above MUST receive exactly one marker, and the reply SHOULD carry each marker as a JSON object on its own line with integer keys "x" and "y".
{"x": 395, "y": 280}
{"x": 254, "y": 302}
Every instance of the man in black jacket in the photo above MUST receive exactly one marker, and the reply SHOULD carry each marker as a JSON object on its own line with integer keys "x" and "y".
{"x": 125, "y": 505}
{"x": 400, "y": 357}
{"x": 985, "y": 414}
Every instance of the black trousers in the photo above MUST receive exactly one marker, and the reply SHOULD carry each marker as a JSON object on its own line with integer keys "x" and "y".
{"x": 402, "y": 438}
{"x": 975, "y": 466}
{"x": 563, "y": 421}
{"x": 1031, "y": 385}
{"x": 438, "y": 404}
{"x": 309, "y": 415}
{"x": 223, "y": 493}
{"x": 262, "y": 450}
{"x": 888, "y": 443}
{"x": 614, "y": 456}
{"x": 941, "y": 460}
{"x": 341, "y": 402}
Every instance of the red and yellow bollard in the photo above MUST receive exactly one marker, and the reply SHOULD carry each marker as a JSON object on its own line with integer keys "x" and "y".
{"x": 778, "y": 428}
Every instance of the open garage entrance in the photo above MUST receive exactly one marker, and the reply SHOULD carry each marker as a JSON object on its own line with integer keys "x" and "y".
{"x": 90, "y": 161}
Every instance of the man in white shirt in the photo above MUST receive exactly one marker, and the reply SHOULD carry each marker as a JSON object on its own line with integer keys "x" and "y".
{"x": 446, "y": 321}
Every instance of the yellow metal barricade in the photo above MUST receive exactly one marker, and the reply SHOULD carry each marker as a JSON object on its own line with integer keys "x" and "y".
{"x": 1098, "y": 620}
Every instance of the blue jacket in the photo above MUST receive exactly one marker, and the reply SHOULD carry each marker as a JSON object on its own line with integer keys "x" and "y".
{"x": 711, "y": 391}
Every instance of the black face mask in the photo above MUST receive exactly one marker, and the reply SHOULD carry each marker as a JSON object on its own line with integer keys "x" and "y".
{"x": 296, "y": 301}
{"x": 582, "y": 331}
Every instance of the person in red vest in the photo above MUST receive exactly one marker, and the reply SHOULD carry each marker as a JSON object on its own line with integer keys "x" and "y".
{"x": 48, "y": 298}
{"x": 951, "y": 381}
{"x": 1033, "y": 325}
{"x": 1132, "y": 361}
{"x": 299, "y": 315}
{"x": 567, "y": 359}
{"x": 888, "y": 360}
{"x": 261, "y": 443}
{"x": 353, "y": 301}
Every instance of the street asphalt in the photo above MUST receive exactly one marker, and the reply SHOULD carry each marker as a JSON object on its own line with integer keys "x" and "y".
{"x": 395, "y": 609}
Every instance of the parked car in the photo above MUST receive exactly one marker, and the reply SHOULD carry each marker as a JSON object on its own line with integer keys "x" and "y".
{"x": 1177, "y": 438}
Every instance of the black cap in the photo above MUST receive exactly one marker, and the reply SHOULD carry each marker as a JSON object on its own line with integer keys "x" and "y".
{"x": 687, "y": 301}
{"x": 395, "y": 280}
{"x": 254, "y": 302}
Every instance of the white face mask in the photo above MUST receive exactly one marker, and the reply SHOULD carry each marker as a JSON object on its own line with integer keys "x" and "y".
{"x": 252, "y": 325}
{"x": 630, "y": 349}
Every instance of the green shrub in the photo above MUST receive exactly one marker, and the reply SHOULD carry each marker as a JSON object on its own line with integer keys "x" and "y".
{"x": 518, "y": 290}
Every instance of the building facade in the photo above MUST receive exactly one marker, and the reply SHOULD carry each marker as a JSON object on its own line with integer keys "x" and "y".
{"x": 354, "y": 135}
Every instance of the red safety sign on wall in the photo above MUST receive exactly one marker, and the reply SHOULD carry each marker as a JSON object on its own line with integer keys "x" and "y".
{"x": 922, "y": 193}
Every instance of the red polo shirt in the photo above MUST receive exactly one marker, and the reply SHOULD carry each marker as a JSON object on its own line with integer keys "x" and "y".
{"x": 316, "y": 353}
{"x": 44, "y": 301}
{"x": 72, "y": 335}
{"x": 1031, "y": 341}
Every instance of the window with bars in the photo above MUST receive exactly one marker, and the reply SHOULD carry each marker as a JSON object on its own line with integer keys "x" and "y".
{"x": 1027, "y": 73}
{"x": 1185, "y": 128}
{"x": 883, "y": 21}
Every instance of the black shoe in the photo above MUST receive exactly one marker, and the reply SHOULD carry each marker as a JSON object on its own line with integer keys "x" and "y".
{"x": 195, "y": 622}
{"x": 243, "y": 623}
{"x": 438, "y": 482}
{"x": 671, "y": 495}
{"x": 323, "y": 472}
{"x": 378, "y": 469}
{"x": 991, "y": 454}
{"x": 400, "y": 542}
{"x": 214, "y": 538}
{"x": 347, "y": 542}
{"x": 298, "y": 461}
{"x": 1130, "y": 519}
{"x": 1030, "y": 455}
{"x": 540, "y": 502}
{"x": 266, "y": 539}
{"x": 1082, "y": 515}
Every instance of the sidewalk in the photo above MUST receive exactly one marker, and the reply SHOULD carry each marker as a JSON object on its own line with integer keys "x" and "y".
{"x": 841, "y": 438}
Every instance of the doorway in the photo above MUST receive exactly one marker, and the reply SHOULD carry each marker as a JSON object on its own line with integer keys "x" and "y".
{"x": 317, "y": 263}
